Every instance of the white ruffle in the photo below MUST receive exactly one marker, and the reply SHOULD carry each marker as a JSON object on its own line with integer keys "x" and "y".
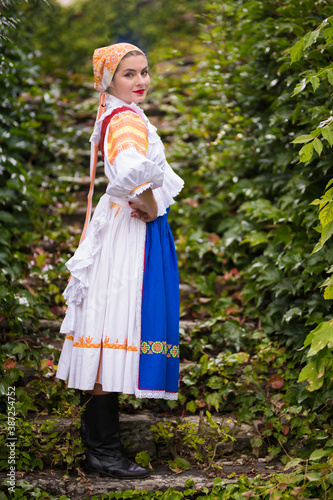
{"x": 75, "y": 291}
{"x": 172, "y": 185}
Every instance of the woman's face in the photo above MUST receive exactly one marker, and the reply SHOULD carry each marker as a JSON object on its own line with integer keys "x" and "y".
{"x": 131, "y": 80}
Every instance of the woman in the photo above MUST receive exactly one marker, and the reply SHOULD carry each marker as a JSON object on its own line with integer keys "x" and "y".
{"x": 122, "y": 319}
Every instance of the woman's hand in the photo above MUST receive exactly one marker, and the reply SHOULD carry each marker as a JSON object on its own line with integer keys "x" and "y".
{"x": 144, "y": 216}
{"x": 144, "y": 206}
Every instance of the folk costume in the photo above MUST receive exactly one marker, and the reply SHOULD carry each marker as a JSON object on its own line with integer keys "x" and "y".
{"x": 122, "y": 318}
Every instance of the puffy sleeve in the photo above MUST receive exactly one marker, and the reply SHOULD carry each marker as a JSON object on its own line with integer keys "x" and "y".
{"x": 127, "y": 167}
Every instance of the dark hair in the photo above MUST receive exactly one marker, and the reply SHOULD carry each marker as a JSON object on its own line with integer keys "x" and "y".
{"x": 131, "y": 53}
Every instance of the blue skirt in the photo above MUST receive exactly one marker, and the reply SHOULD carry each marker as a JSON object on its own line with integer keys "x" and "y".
{"x": 159, "y": 346}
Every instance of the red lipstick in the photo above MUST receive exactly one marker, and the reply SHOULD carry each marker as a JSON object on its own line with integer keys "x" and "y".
{"x": 141, "y": 91}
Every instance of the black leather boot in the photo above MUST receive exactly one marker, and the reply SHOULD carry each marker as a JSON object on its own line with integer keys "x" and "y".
{"x": 100, "y": 435}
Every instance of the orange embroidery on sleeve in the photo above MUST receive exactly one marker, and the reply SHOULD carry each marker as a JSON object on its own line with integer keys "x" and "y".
{"x": 133, "y": 190}
{"x": 127, "y": 130}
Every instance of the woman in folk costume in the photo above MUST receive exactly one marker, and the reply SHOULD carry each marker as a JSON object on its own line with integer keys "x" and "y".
{"x": 122, "y": 320}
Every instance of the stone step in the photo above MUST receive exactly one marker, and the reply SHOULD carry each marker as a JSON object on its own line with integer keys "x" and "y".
{"x": 229, "y": 462}
{"x": 53, "y": 325}
{"x": 77, "y": 216}
{"x": 75, "y": 487}
{"x": 82, "y": 182}
{"x": 82, "y": 486}
{"x": 137, "y": 435}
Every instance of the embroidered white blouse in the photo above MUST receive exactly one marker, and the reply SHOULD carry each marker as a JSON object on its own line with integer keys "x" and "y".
{"x": 134, "y": 157}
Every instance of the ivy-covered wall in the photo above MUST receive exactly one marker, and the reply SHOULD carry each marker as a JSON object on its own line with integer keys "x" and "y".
{"x": 249, "y": 196}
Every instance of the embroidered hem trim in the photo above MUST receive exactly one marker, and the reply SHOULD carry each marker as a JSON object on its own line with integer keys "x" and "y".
{"x": 158, "y": 347}
{"x": 105, "y": 344}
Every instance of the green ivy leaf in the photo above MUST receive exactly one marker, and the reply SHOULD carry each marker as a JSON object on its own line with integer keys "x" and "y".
{"x": 302, "y": 139}
{"x": 215, "y": 382}
{"x": 213, "y": 399}
{"x": 330, "y": 76}
{"x": 256, "y": 238}
{"x": 318, "y": 454}
{"x": 299, "y": 87}
{"x": 309, "y": 373}
{"x": 328, "y": 34}
{"x": 318, "y": 246}
{"x": 143, "y": 458}
{"x": 328, "y": 281}
{"x": 179, "y": 463}
{"x": 326, "y": 214}
{"x": 238, "y": 357}
{"x": 291, "y": 313}
{"x": 191, "y": 406}
{"x": 328, "y": 195}
{"x": 293, "y": 463}
{"x": 306, "y": 152}
{"x": 256, "y": 441}
{"x": 315, "y": 82}
{"x": 310, "y": 38}
{"x": 328, "y": 135}
{"x": 313, "y": 476}
{"x": 7, "y": 217}
{"x": 323, "y": 336}
{"x": 328, "y": 293}
{"x": 326, "y": 232}
{"x": 318, "y": 145}
{"x": 296, "y": 51}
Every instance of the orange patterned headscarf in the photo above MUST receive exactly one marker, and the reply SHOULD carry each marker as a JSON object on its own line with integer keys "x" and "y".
{"x": 106, "y": 61}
